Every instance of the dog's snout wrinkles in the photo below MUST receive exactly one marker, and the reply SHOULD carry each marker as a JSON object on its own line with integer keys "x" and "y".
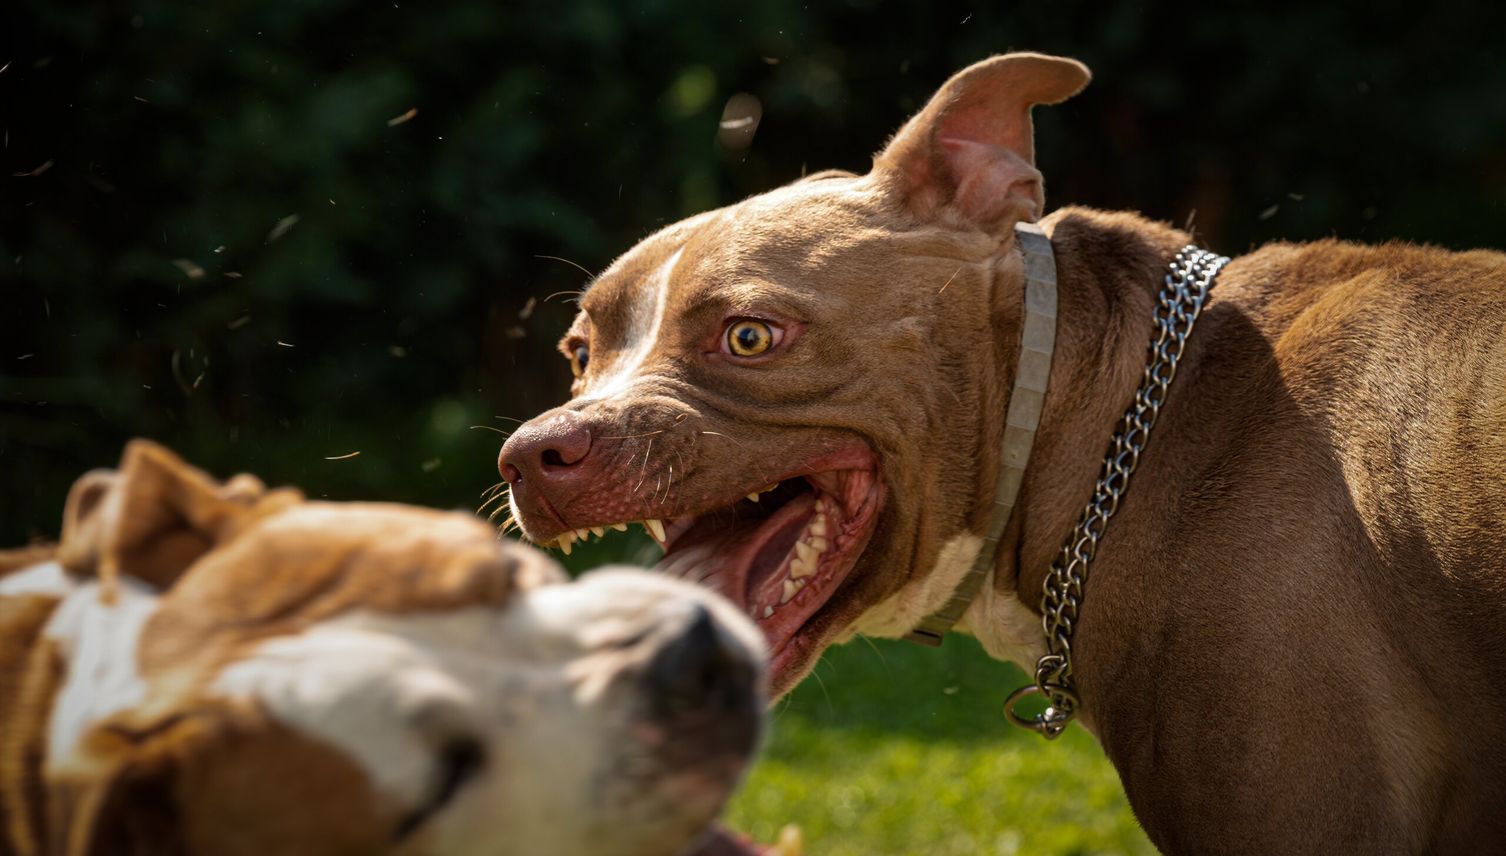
{"x": 545, "y": 449}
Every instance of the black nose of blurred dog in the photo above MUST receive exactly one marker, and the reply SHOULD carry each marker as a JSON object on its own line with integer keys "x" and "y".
{"x": 702, "y": 670}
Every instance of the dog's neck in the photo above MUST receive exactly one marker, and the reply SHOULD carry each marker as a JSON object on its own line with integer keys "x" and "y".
{"x": 1109, "y": 268}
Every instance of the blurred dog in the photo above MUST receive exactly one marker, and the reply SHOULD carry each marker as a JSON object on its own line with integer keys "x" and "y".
{"x": 207, "y": 668}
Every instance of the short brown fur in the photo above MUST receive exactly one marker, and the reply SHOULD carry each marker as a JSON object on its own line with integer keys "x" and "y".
{"x": 1291, "y": 639}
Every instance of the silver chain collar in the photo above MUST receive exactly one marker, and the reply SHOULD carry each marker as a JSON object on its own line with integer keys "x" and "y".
{"x": 1178, "y": 305}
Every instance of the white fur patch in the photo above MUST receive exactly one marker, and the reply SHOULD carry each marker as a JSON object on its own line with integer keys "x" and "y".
{"x": 361, "y": 681}
{"x": 1005, "y": 626}
{"x": 98, "y": 642}
{"x": 903, "y": 610}
{"x": 999, "y": 620}
{"x": 647, "y": 322}
{"x": 47, "y": 579}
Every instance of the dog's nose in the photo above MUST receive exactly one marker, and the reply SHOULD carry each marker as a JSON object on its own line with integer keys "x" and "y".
{"x": 543, "y": 448}
{"x": 702, "y": 669}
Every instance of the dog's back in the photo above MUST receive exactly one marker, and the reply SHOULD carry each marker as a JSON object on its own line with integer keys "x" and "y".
{"x": 1325, "y": 509}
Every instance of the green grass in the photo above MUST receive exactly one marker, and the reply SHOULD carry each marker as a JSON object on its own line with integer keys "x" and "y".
{"x": 896, "y": 749}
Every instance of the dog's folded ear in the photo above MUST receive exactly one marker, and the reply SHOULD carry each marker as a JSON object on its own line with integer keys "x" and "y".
{"x": 173, "y": 779}
{"x": 970, "y": 152}
{"x": 119, "y": 801}
{"x": 155, "y": 516}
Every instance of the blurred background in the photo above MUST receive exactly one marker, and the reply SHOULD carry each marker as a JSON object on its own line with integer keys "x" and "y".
{"x": 274, "y": 234}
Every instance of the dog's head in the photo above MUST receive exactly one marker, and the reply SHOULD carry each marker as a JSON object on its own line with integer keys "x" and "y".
{"x": 796, "y": 391}
{"x": 241, "y": 671}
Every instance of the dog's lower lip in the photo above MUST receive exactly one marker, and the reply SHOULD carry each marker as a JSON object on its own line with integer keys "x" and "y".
{"x": 784, "y": 565}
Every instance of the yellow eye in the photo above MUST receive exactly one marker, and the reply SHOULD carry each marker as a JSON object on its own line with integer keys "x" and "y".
{"x": 579, "y": 357}
{"x": 749, "y": 338}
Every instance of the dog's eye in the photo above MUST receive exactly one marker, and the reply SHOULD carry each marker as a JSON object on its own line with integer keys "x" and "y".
{"x": 579, "y": 358}
{"x": 749, "y": 338}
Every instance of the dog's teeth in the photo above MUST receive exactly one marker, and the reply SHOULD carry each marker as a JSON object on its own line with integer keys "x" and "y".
{"x": 806, "y": 552}
{"x": 582, "y": 535}
{"x": 598, "y": 531}
{"x": 565, "y": 540}
{"x": 753, "y": 496}
{"x": 768, "y": 611}
{"x": 620, "y": 527}
{"x": 818, "y": 525}
{"x": 655, "y": 528}
{"x": 818, "y": 543}
{"x": 789, "y": 591}
{"x": 799, "y": 567}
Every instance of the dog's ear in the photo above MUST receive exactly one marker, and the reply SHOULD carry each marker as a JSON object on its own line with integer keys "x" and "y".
{"x": 155, "y": 516}
{"x": 971, "y": 151}
{"x": 117, "y": 796}
{"x": 174, "y": 777}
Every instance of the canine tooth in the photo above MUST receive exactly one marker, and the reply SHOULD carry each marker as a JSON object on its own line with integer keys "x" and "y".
{"x": 565, "y": 540}
{"x": 806, "y": 552}
{"x": 818, "y": 525}
{"x": 753, "y": 496}
{"x": 656, "y": 529}
{"x": 789, "y": 591}
{"x": 768, "y": 611}
{"x": 801, "y": 568}
{"x": 620, "y": 527}
{"x": 598, "y": 531}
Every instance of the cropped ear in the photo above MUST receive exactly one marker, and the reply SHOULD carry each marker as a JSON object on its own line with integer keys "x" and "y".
{"x": 971, "y": 151}
{"x": 155, "y": 516}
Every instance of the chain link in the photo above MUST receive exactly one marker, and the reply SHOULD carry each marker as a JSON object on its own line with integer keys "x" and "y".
{"x": 1178, "y": 305}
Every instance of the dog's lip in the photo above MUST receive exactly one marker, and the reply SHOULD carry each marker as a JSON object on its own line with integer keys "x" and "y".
{"x": 846, "y": 490}
{"x": 856, "y": 455}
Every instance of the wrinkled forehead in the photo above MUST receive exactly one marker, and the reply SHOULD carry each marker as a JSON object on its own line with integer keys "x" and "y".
{"x": 758, "y": 237}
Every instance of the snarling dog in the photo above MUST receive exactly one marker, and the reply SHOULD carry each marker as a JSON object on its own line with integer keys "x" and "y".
{"x": 222, "y": 669}
{"x": 1291, "y": 638}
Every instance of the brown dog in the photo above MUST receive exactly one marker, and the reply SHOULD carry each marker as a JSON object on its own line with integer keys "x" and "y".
{"x": 219, "y": 669}
{"x": 1293, "y": 639}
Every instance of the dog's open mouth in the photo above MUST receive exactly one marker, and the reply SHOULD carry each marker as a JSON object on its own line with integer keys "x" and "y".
{"x": 786, "y": 547}
{"x": 779, "y": 550}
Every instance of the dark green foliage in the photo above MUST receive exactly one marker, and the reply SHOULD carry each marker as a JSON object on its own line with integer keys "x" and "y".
{"x": 570, "y": 129}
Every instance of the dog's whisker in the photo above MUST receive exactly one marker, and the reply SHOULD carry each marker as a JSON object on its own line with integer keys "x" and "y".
{"x": 511, "y": 419}
{"x": 588, "y": 274}
{"x": 632, "y": 436}
{"x": 723, "y": 436}
{"x": 577, "y": 294}
{"x": 949, "y": 281}
{"x": 493, "y": 430}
